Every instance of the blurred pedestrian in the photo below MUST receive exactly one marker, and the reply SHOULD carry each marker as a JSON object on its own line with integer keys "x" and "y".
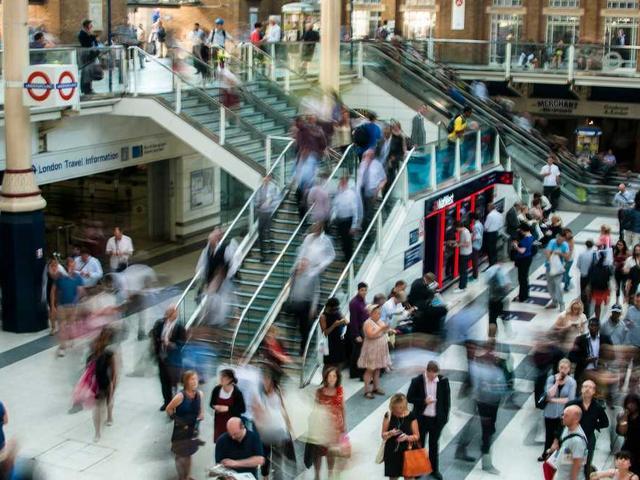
{"x": 161, "y": 40}
{"x": 463, "y": 244}
{"x": 187, "y": 411}
{"x": 168, "y": 336}
{"x": 106, "y": 377}
{"x": 266, "y": 202}
{"x": 88, "y": 267}
{"x": 524, "y": 251}
{"x": 371, "y": 180}
{"x": 571, "y": 323}
{"x": 620, "y": 255}
{"x": 493, "y": 224}
{"x": 375, "y": 351}
{"x": 226, "y": 402}
{"x": 67, "y": 292}
{"x": 628, "y": 425}
{"x": 418, "y": 131}
{"x": 314, "y": 255}
{"x": 310, "y": 38}
{"x": 119, "y": 250}
{"x": 557, "y": 253}
{"x": 319, "y": 198}
{"x": 346, "y": 215}
{"x": 477, "y": 235}
{"x": 53, "y": 271}
{"x": 498, "y": 286}
{"x": 551, "y": 182}
{"x": 274, "y": 354}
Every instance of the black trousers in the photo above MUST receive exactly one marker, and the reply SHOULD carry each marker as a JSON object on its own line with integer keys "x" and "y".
{"x": 584, "y": 295}
{"x": 475, "y": 261}
{"x": 431, "y": 427}
{"x": 354, "y": 371}
{"x": 496, "y": 309}
{"x": 523, "y": 265}
{"x": 343, "y": 227}
{"x": 463, "y": 268}
{"x": 264, "y": 231}
{"x": 301, "y": 312}
{"x": 553, "y": 194}
{"x": 552, "y": 427}
{"x": 491, "y": 246}
{"x": 168, "y": 380}
{"x": 591, "y": 445}
{"x": 488, "y": 415}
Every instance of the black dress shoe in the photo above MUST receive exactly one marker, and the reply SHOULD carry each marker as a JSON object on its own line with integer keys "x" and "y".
{"x": 163, "y": 408}
{"x": 437, "y": 475}
{"x": 464, "y": 456}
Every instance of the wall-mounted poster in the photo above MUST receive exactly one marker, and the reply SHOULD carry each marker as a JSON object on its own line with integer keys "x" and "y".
{"x": 201, "y": 188}
{"x": 457, "y": 14}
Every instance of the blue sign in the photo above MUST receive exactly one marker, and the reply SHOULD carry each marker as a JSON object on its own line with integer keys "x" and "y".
{"x": 414, "y": 236}
{"x": 413, "y": 255}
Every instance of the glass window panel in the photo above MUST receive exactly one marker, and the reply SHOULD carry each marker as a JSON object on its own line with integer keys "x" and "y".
{"x": 622, "y": 4}
{"x": 564, "y": 3}
{"x": 503, "y": 27}
{"x": 563, "y": 27}
{"x": 418, "y": 23}
{"x": 507, "y": 3}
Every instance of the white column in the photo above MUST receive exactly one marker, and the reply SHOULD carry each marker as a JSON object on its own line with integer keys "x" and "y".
{"x": 19, "y": 190}
{"x": 507, "y": 62}
{"x": 433, "y": 177}
{"x": 330, "y": 45}
{"x": 456, "y": 165}
{"x": 496, "y": 150}
{"x": 479, "y": 150}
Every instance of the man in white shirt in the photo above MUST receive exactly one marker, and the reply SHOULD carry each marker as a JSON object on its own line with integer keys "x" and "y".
{"x": 346, "y": 213}
{"x": 392, "y": 311}
{"x": 477, "y": 237}
{"x": 551, "y": 182}
{"x": 274, "y": 33}
{"x": 266, "y": 202}
{"x": 119, "y": 249}
{"x": 492, "y": 226}
{"x": 88, "y": 268}
{"x": 371, "y": 180}
{"x": 465, "y": 250}
{"x": 571, "y": 452}
{"x": 623, "y": 199}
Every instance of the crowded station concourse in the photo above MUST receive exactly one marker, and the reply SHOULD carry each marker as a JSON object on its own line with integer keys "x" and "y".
{"x": 316, "y": 245}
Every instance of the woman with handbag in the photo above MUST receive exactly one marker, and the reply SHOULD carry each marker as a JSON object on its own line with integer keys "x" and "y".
{"x": 331, "y": 323}
{"x": 187, "y": 410}
{"x": 399, "y": 429}
{"x": 226, "y": 401}
{"x": 557, "y": 252}
{"x": 374, "y": 355}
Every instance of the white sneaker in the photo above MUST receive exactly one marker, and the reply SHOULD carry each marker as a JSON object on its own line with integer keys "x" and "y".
{"x": 460, "y": 290}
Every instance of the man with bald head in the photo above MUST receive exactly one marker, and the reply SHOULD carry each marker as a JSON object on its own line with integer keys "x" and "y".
{"x": 571, "y": 452}
{"x": 594, "y": 417}
{"x": 239, "y": 449}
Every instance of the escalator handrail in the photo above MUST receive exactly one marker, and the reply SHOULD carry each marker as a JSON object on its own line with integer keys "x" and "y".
{"x": 274, "y": 265}
{"x": 494, "y": 112}
{"x": 236, "y": 220}
{"x": 345, "y": 270}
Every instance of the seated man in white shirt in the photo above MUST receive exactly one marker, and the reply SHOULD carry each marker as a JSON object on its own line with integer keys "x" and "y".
{"x": 119, "y": 249}
{"x": 393, "y": 311}
{"x": 88, "y": 268}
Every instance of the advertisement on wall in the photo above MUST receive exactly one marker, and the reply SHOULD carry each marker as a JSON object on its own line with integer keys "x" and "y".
{"x": 64, "y": 165}
{"x": 564, "y": 107}
{"x": 457, "y": 14}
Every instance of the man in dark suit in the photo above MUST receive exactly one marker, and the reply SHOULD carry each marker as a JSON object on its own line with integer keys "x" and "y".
{"x": 430, "y": 395}
{"x": 512, "y": 223}
{"x": 168, "y": 338}
{"x": 418, "y": 132}
{"x": 588, "y": 349}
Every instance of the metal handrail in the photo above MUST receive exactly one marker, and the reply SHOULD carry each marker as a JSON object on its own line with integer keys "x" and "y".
{"x": 276, "y": 262}
{"x": 201, "y": 91}
{"x": 345, "y": 270}
{"x": 240, "y": 214}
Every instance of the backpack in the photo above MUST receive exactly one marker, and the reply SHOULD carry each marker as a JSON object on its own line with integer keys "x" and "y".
{"x": 361, "y": 136}
{"x": 599, "y": 273}
{"x": 452, "y": 123}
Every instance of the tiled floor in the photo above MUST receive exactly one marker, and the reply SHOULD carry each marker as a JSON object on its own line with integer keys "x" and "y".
{"x": 137, "y": 445}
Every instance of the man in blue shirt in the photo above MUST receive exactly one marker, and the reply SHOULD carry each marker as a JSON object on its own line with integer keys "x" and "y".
{"x": 66, "y": 292}
{"x": 557, "y": 253}
{"x": 476, "y": 243}
{"x": 239, "y": 449}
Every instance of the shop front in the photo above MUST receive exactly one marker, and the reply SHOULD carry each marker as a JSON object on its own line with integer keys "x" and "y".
{"x": 441, "y": 214}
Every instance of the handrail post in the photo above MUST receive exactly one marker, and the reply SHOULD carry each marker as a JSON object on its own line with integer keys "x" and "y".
{"x": 252, "y": 218}
{"x": 283, "y": 181}
{"x": 268, "y": 153}
{"x": 433, "y": 176}
{"x": 135, "y": 80}
{"x": 352, "y": 280}
{"x": 496, "y": 150}
{"x": 456, "y": 164}
{"x": 507, "y": 164}
{"x": 287, "y": 81}
{"x": 570, "y": 60}
{"x": 507, "y": 62}
{"x": 430, "y": 48}
{"x": 249, "y": 47}
{"x": 124, "y": 65}
{"x": 405, "y": 186}
{"x": 379, "y": 234}
{"x": 360, "y": 60}
{"x": 178, "y": 95}
{"x": 517, "y": 185}
{"x": 273, "y": 62}
{"x": 479, "y": 150}
{"x": 223, "y": 124}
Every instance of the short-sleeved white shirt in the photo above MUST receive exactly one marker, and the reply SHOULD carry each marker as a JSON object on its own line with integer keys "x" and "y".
{"x": 550, "y": 180}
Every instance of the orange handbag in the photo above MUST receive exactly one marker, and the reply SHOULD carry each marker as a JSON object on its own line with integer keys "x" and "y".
{"x": 416, "y": 462}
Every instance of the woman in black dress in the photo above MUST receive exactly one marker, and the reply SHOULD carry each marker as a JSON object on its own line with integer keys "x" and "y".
{"x": 331, "y": 322}
{"x": 399, "y": 427}
{"x": 187, "y": 411}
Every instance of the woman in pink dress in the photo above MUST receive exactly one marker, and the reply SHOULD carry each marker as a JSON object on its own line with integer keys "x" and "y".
{"x": 375, "y": 351}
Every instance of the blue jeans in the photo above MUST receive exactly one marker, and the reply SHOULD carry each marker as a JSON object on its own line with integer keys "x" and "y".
{"x": 566, "y": 277}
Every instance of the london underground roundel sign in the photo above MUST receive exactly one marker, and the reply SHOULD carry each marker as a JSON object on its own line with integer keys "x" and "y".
{"x": 39, "y": 86}
{"x": 66, "y": 85}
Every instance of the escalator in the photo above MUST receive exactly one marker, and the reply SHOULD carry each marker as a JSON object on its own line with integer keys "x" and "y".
{"x": 405, "y": 73}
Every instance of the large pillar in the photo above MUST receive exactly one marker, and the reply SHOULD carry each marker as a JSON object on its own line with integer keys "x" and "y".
{"x": 330, "y": 44}
{"x": 21, "y": 217}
